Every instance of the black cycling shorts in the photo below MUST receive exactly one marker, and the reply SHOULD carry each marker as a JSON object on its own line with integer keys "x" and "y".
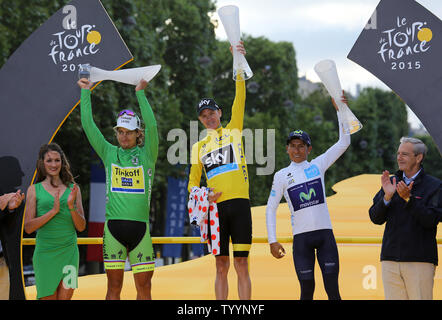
{"x": 304, "y": 247}
{"x": 235, "y": 222}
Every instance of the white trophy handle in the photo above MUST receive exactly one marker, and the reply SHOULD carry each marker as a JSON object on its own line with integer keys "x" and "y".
{"x": 229, "y": 16}
{"x": 326, "y": 70}
{"x": 129, "y": 76}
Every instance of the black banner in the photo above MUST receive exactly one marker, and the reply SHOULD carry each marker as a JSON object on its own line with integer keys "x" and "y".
{"x": 38, "y": 91}
{"x": 402, "y": 46}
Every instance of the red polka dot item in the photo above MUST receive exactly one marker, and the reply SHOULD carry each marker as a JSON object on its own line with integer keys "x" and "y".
{"x": 204, "y": 215}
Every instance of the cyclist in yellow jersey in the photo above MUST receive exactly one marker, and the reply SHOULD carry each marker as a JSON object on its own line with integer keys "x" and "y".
{"x": 221, "y": 156}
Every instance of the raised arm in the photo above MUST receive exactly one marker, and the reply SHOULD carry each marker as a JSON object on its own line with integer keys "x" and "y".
{"x": 93, "y": 134}
{"x": 238, "y": 107}
{"x": 151, "y": 129}
{"x": 335, "y": 151}
{"x": 239, "y": 103}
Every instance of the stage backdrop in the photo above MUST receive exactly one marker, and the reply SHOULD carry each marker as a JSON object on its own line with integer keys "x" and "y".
{"x": 38, "y": 91}
{"x": 402, "y": 46}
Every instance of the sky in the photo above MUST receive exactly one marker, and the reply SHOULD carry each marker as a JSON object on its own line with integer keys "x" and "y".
{"x": 318, "y": 29}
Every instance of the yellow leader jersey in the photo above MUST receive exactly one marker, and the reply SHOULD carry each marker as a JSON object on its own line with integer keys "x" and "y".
{"x": 221, "y": 155}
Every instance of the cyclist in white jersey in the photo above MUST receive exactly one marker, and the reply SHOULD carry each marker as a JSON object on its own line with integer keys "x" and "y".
{"x": 302, "y": 184}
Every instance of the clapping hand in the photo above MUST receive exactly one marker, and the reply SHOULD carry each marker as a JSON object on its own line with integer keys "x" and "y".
{"x": 15, "y": 200}
{"x": 72, "y": 197}
{"x": 403, "y": 190}
{"x": 388, "y": 186}
{"x": 56, "y": 206}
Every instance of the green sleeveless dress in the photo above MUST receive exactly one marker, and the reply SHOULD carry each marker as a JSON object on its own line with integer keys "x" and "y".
{"x": 56, "y": 255}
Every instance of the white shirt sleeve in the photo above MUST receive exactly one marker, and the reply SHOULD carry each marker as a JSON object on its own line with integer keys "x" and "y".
{"x": 272, "y": 205}
{"x": 335, "y": 151}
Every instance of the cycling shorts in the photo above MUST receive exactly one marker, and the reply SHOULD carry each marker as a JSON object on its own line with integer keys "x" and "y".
{"x": 125, "y": 237}
{"x": 304, "y": 247}
{"x": 235, "y": 222}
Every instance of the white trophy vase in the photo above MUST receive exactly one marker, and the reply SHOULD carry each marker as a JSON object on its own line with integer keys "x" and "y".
{"x": 326, "y": 70}
{"x": 129, "y": 76}
{"x": 229, "y": 16}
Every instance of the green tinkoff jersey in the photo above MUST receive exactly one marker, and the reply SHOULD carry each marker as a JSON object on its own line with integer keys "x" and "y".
{"x": 129, "y": 173}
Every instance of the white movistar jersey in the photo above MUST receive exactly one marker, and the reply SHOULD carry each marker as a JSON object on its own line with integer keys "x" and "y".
{"x": 302, "y": 185}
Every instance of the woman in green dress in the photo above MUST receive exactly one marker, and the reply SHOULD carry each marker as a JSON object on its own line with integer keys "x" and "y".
{"x": 54, "y": 209}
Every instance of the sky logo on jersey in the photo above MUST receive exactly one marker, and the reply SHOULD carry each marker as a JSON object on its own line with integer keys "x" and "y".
{"x": 219, "y": 161}
{"x": 306, "y": 194}
{"x": 312, "y": 171}
{"x": 128, "y": 179}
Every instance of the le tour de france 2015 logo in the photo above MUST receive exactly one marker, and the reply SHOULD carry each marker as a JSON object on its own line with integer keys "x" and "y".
{"x": 403, "y": 44}
{"x": 73, "y": 41}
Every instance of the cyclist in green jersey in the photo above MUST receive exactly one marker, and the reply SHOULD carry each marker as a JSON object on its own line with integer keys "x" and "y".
{"x": 130, "y": 169}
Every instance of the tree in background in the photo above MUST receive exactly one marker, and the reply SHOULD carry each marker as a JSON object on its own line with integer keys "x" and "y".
{"x": 372, "y": 150}
{"x": 179, "y": 35}
{"x": 270, "y": 99}
{"x": 432, "y": 162}
{"x": 384, "y": 118}
{"x": 176, "y": 34}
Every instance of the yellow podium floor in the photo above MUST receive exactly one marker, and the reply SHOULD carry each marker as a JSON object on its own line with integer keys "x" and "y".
{"x": 360, "y": 276}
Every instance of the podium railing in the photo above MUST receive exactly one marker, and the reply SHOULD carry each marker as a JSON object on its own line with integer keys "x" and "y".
{"x": 186, "y": 240}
